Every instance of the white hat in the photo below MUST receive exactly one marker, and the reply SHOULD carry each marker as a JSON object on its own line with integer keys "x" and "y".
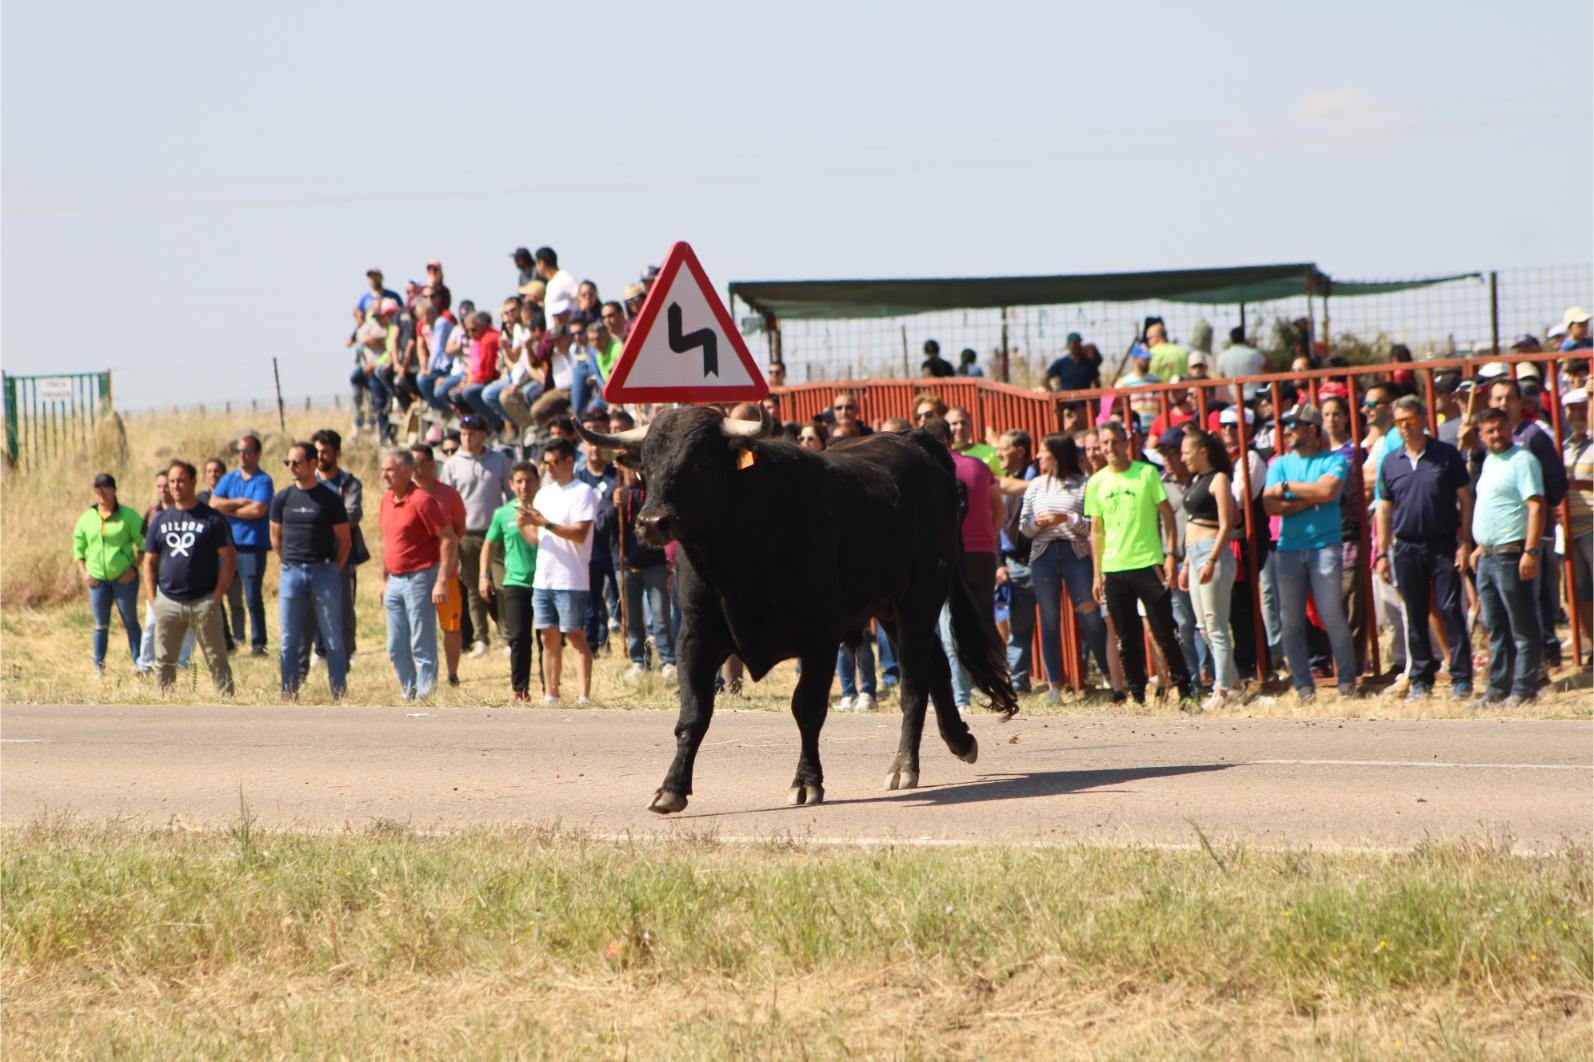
{"x": 1576, "y": 315}
{"x": 1527, "y": 368}
{"x": 1493, "y": 369}
{"x": 1199, "y": 357}
{"x": 558, "y": 306}
{"x": 1572, "y": 397}
{"x": 1231, "y": 416}
{"x": 1557, "y": 331}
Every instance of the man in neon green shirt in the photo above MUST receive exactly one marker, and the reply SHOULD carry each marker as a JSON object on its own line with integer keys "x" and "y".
{"x": 604, "y": 337}
{"x": 1130, "y": 518}
{"x": 520, "y": 564}
{"x": 962, "y": 428}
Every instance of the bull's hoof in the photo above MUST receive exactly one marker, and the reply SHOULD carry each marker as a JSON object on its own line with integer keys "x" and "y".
{"x": 667, "y": 803}
{"x": 812, "y": 793}
{"x": 902, "y": 778}
{"x": 973, "y": 752}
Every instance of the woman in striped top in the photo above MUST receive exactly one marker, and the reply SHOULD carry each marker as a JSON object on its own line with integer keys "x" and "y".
{"x": 1053, "y": 518}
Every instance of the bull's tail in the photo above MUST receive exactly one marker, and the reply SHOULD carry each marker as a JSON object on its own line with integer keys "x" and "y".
{"x": 980, "y": 650}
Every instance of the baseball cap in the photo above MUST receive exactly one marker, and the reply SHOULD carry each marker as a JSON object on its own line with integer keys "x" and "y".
{"x": 1333, "y": 389}
{"x": 1575, "y": 315}
{"x": 471, "y": 422}
{"x": 1493, "y": 369}
{"x": 1445, "y": 383}
{"x": 1526, "y": 339}
{"x": 1232, "y": 416}
{"x": 650, "y": 274}
{"x": 1305, "y": 413}
{"x": 1199, "y": 357}
{"x": 105, "y": 479}
{"x": 1571, "y": 398}
{"x": 388, "y": 306}
{"x": 1527, "y": 368}
{"x": 1074, "y": 337}
{"x": 1556, "y": 332}
{"x": 1174, "y": 437}
{"x": 558, "y": 306}
{"x": 430, "y": 262}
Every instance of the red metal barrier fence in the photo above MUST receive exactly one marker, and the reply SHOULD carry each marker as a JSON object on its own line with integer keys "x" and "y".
{"x": 1002, "y": 407}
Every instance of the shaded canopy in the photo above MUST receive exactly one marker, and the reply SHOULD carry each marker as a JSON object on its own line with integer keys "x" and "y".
{"x": 798, "y": 300}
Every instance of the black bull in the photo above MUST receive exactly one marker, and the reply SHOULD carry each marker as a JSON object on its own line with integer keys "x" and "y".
{"x": 785, "y": 553}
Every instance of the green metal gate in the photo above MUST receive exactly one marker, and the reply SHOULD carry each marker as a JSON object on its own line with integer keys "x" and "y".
{"x": 53, "y": 414}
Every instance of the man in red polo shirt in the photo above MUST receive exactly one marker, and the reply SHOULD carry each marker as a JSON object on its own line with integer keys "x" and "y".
{"x": 417, "y": 538}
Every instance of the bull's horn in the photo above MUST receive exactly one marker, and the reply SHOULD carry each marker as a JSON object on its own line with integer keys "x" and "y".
{"x": 748, "y": 429}
{"x": 630, "y": 439}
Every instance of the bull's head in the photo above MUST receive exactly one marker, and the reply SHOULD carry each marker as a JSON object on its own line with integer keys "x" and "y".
{"x": 687, "y": 456}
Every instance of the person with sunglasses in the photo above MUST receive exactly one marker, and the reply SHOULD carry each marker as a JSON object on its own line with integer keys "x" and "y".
{"x": 310, "y": 532}
{"x": 844, "y": 412}
{"x": 244, "y": 497}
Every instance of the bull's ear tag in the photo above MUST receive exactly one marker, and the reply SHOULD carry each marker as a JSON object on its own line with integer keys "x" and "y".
{"x": 746, "y": 459}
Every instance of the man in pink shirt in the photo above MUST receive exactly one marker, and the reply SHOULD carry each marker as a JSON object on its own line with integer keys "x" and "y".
{"x": 984, "y": 518}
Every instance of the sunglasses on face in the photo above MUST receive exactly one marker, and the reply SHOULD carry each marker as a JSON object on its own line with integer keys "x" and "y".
{"x": 290, "y": 462}
{"x": 448, "y": 450}
{"x": 844, "y": 405}
{"x": 926, "y": 415}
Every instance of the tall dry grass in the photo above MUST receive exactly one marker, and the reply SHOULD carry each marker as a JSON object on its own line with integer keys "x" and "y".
{"x": 40, "y": 503}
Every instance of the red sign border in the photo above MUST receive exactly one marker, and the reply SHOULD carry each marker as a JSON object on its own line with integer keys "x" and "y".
{"x": 616, "y": 390}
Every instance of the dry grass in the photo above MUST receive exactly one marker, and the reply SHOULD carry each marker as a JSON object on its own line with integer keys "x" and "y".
{"x": 45, "y": 626}
{"x": 118, "y": 941}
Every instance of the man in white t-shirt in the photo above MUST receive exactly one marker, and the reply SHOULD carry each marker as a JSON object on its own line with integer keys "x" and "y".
{"x": 561, "y": 287}
{"x": 561, "y": 515}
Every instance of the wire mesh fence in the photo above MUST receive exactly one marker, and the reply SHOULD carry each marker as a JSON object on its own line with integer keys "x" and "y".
{"x": 1459, "y": 316}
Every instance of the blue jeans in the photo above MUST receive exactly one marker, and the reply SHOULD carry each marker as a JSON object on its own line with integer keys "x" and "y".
{"x": 1511, "y": 613}
{"x": 412, "y": 631}
{"x": 1212, "y": 601}
{"x": 436, "y": 391}
{"x": 1295, "y": 572}
{"x": 475, "y": 398}
{"x": 1050, "y": 570}
{"x": 856, "y": 668}
{"x": 890, "y": 673}
{"x": 252, "y": 574}
{"x": 305, "y": 588}
{"x": 962, "y": 687}
{"x": 146, "y": 650}
{"x": 1267, "y": 590}
{"x": 651, "y": 617}
{"x": 124, "y": 596}
{"x": 1020, "y": 623}
{"x": 490, "y": 395}
{"x": 583, "y": 388}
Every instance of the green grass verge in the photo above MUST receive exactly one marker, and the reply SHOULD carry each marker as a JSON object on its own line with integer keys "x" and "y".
{"x": 386, "y": 941}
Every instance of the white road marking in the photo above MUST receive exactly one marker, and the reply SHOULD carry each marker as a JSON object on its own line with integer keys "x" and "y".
{"x": 1432, "y": 763}
{"x": 23, "y": 741}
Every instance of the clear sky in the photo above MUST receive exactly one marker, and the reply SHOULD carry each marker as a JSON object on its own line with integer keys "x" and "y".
{"x": 192, "y": 188}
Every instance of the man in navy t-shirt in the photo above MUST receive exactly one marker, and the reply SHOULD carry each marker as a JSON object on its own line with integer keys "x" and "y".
{"x": 310, "y": 531}
{"x": 244, "y": 497}
{"x": 188, "y": 563}
{"x": 1078, "y": 370}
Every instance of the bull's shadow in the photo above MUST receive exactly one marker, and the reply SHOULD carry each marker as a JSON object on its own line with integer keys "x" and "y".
{"x": 1006, "y": 786}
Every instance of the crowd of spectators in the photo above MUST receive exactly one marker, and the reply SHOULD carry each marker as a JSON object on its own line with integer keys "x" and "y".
{"x": 495, "y": 518}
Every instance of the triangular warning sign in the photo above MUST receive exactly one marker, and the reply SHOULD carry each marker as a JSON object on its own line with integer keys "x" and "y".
{"x": 685, "y": 347}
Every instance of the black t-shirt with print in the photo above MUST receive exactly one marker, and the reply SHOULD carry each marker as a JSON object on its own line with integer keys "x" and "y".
{"x": 307, "y": 518}
{"x": 189, "y": 544}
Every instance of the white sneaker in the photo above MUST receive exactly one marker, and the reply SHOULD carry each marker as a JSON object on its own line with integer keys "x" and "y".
{"x": 614, "y": 623}
{"x": 864, "y": 703}
{"x": 635, "y": 672}
{"x": 1220, "y": 698}
{"x": 844, "y": 705}
{"x": 583, "y": 699}
{"x": 478, "y": 649}
{"x": 667, "y": 672}
{"x": 550, "y": 698}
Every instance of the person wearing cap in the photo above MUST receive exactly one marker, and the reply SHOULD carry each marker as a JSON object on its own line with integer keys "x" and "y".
{"x": 1175, "y": 478}
{"x": 635, "y": 295}
{"x": 482, "y": 478}
{"x": 1133, "y": 564}
{"x": 1578, "y": 456}
{"x": 525, "y": 266}
{"x": 1200, "y": 363}
{"x": 1145, "y": 403}
{"x": 1077, "y": 369}
{"x": 106, "y": 543}
{"x": 562, "y": 287}
{"x": 1425, "y": 535}
{"x": 1577, "y": 330}
{"x": 1505, "y": 394}
{"x": 1303, "y": 489}
{"x": 188, "y": 563}
{"x": 1508, "y": 523}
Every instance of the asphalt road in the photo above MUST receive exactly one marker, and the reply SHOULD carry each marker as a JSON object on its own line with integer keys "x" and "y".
{"x": 1353, "y": 784}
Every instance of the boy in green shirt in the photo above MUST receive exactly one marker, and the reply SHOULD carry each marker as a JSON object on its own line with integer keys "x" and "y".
{"x": 520, "y": 564}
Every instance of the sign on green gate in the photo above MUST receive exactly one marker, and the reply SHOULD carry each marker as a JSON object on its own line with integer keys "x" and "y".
{"x": 50, "y": 414}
